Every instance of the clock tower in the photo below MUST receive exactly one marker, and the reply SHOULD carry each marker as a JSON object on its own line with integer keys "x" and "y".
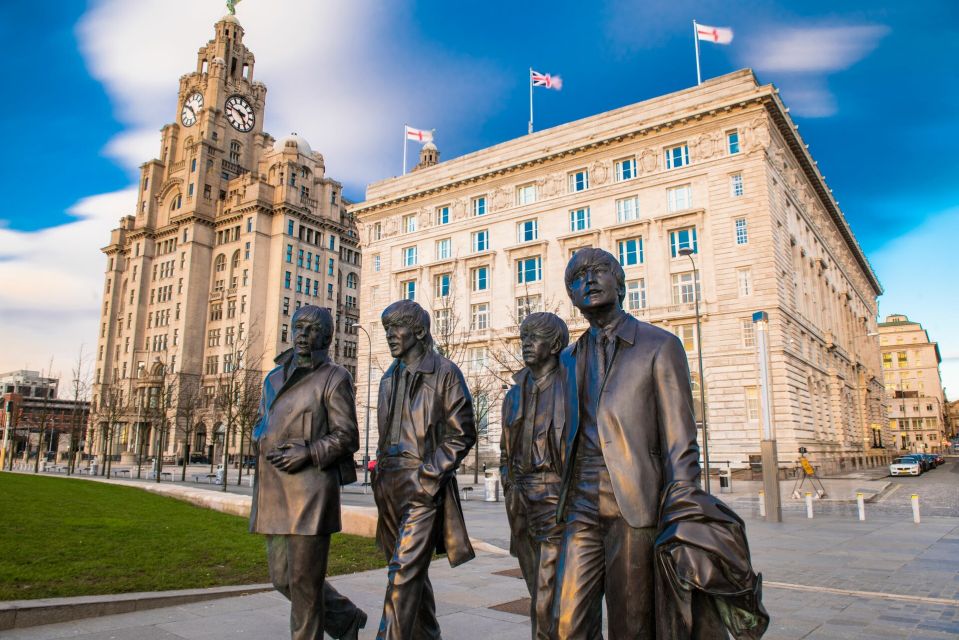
{"x": 232, "y": 231}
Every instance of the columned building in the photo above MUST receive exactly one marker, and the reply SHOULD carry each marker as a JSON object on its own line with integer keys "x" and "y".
{"x": 917, "y": 407}
{"x": 231, "y": 232}
{"x": 718, "y": 169}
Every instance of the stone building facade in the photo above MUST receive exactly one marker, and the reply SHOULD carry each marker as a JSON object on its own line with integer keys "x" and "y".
{"x": 483, "y": 239}
{"x": 917, "y": 406}
{"x": 232, "y": 231}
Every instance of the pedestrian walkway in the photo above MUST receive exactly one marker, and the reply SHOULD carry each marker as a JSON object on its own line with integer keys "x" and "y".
{"x": 826, "y": 578}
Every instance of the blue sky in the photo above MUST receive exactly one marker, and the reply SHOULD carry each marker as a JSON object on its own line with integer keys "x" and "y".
{"x": 871, "y": 84}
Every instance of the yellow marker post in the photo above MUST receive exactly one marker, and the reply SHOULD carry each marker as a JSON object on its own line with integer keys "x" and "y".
{"x": 915, "y": 508}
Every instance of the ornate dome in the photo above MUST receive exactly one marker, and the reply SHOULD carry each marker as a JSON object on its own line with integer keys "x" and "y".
{"x": 229, "y": 18}
{"x": 429, "y": 145}
{"x": 293, "y": 140}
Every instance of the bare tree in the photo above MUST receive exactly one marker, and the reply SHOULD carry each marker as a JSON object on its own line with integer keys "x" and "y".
{"x": 190, "y": 400}
{"x": 248, "y": 409}
{"x": 81, "y": 391}
{"x": 108, "y": 411}
{"x": 237, "y": 396}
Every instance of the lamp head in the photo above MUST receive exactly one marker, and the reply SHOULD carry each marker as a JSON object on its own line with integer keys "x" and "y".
{"x": 686, "y": 251}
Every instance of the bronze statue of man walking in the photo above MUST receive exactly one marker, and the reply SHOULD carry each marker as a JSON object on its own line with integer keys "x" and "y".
{"x": 426, "y": 426}
{"x": 305, "y": 440}
{"x": 630, "y": 432}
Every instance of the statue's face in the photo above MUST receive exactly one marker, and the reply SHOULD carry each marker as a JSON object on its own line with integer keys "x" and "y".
{"x": 536, "y": 350}
{"x": 594, "y": 287}
{"x": 308, "y": 337}
{"x": 401, "y": 339}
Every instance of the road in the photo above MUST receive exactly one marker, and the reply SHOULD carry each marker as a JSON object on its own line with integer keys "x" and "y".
{"x": 938, "y": 491}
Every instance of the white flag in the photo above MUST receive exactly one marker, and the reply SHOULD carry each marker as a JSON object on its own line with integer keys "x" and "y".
{"x": 716, "y": 35}
{"x": 420, "y": 135}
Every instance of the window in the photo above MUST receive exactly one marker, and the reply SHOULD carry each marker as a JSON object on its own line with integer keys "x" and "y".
{"x": 526, "y": 194}
{"x": 742, "y": 233}
{"x": 682, "y": 239}
{"x": 289, "y": 227}
{"x": 476, "y": 358}
{"x": 479, "y": 206}
{"x": 736, "y": 185}
{"x": 732, "y": 141}
{"x": 316, "y": 287}
{"x": 480, "y": 240}
{"x": 625, "y": 169}
{"x": 684, "y": 291}
{"x": 630, "y": 251}
{"x": 351, "y": 280}
{"x": 441, "y": 322}
{"x": 190, "y": 190}
{"x": 409, "y": 256}
{"x": 286, "y": 279}
{"x": 687, "y": 335}
{"x": 378, "y": 231}
{"x": 330, "y": 265}
{"x": 409, "y": 223}
{"x": 745, "y": 279}
{"x": 376, "y": 262}
{"x": 442, "y": 215}
{"x": 752, "y": 403}
{"x": 529, "y": 270}
{"x": 408, "y": 289}
{"x": 329, "y": 291}
{"x": 441, "y": 284}
{"x": 680, "y": 198}
{"x": 284, "y": 332}
{"x": 579, "y": 181}
{"x": 636, "y": 294}
{"x": 443, "y": 249}
{"x": 306, "y": 289}
{"x": 749, "y": 333}
{"x": 480, "y": 278}
{"x": 249, "y": 225}
{"x": 627, "y": 209}
{"x": 299, "y": 284}
{"x": 289, "y": 253}
{"x": 479, "y": 316}
{"x": 527, "y": 231}
{"x": 677, "y": 156}
{"x": 309, "y": 259}
{"x": 579, "y": 219}
{"x": 212, "y": 365}
{"x": 526, "y": 305}
{"x": 246, "y": 251}
{"x": 299, "y": 258}
{"x": 286, "y": 306}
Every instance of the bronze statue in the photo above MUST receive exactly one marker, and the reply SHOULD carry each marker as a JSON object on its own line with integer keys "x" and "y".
{"x": 305, "y": 440}
{"x": 530, "y": 445}
{"x": 426, "y": 428}
{"x": 630, "y": 490}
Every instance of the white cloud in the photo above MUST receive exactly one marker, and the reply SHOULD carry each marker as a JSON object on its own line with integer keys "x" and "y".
{"x": 801, "y": 59}
{"x": 344, "y": 75}
{"x": 925, "y": 294}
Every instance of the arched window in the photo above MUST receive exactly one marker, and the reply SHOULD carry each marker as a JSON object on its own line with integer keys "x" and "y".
{"x": 351, "y": 281}
{"x": 235, "y": 151}
{"x": 175, "y": 202}
{"x": 234, "y": 264}
{"x": 220, "y": 263}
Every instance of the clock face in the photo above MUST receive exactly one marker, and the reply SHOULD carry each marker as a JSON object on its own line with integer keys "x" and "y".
{"x": 191, "y": 109}
{"x": 240, "y": 113}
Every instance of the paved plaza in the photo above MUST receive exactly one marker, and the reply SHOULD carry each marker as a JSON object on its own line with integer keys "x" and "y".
{"x": 832, "y": 577}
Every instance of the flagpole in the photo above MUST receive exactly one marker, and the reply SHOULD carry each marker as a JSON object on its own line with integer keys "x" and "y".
{"x": 699, "y": 77}
{"x": 530, "y": 100}
{"x": 405, "y": 144}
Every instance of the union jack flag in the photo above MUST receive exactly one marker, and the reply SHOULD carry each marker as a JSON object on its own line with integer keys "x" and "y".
{"x": 545, "y": 80}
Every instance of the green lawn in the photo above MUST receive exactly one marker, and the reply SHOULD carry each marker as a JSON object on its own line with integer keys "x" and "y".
{"x": 62, "y": 537}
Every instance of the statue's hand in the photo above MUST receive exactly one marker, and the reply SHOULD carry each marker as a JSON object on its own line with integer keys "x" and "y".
{"x": 289, "y": 457}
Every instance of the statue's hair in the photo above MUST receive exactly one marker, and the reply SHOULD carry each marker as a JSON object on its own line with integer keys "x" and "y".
{"x": 319, "y": 316}
{"x": 592, "y": 256}
{"x": 548, "y": 326}
{"x": 407, "y": 313}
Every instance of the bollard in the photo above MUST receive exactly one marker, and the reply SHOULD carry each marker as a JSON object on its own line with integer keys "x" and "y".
{"x": 862, "y": 506}
{"x": 915, "y": 508}
{"x": 808, "y": 505}
{"x": 762, "y": 504}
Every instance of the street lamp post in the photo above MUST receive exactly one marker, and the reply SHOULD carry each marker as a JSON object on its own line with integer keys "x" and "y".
{"x": 699, "y": 350}
{"x": 369, "y": 385}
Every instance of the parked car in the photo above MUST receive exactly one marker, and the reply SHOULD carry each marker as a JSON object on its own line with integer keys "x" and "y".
{"x": 929, "y": 459}
{"x": 905, "y": 466}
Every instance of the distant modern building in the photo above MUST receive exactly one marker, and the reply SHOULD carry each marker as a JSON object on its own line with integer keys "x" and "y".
{"x": 719, "y": 169}
{"x": 232, "y": 231}
{"x": 29, "y": 384}
{"x": 25, "y": 418}
{"x": 910, "y": 362}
